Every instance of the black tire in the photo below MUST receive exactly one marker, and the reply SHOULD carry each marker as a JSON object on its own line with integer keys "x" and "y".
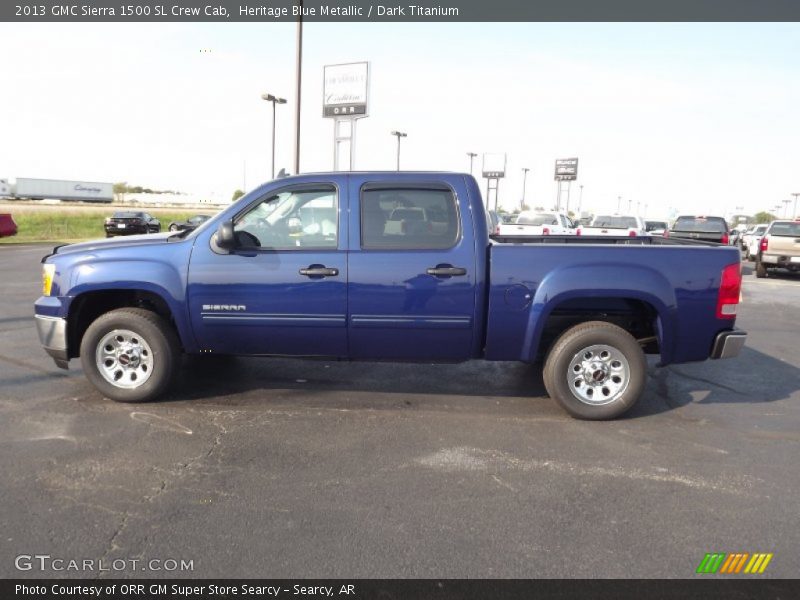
{"x": 155, "y": 332}
{"x": 761, "y": 270}
{"x": 557, "y": 373}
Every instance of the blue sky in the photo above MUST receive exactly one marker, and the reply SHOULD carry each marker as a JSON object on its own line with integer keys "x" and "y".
{"x": 682, "y": 117}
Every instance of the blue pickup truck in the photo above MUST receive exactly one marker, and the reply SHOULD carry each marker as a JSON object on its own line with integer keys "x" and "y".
{"x": 394, "y": 267}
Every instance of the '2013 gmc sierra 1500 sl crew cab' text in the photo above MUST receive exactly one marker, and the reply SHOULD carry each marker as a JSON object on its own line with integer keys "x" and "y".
{"x": 389, "y": 266}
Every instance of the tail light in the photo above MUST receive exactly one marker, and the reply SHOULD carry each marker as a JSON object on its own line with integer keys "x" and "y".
{"x": 578, "y": 231}
{"x": 764, "y": 244}
{"x": 729, "y": 291}
{"x": 725, "y": 238}
{"x": 631, "y": 234}
{"x": 545, "y": 231}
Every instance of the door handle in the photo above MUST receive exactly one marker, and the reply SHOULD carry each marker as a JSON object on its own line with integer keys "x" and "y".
{"x": 446, "y": 271}
{"x": 319, "y": 271}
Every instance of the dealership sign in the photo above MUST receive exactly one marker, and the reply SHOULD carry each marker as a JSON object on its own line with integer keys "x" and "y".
{"x": 494, "y": 165}
{"x": 566, "y": 169}
{"x": 345, "y": 92}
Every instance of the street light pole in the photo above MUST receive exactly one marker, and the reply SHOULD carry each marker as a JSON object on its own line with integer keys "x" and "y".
{"x": 471, "y": 155}
{"x": 630, "y": 202}
{"x": 524, "y": 181}
{"x": 275, "y": 100}
{"x": 794, "y": 210}
{"x": 619, "y": 199}
{"x": 786, "y": 208}
{"x": 399, "y": 134}
{"x": 580, "y": 200}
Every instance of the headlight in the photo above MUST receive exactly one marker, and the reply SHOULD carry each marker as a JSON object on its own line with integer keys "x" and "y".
{"x": 48, "y": 270}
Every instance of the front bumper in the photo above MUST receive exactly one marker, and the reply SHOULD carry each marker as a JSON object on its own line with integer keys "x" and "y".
{"x": 53, "y": 336}
{"x": 728, "y": 344}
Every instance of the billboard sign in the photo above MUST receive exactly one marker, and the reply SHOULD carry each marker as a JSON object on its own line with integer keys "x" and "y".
{"x": 494, "y": 165}
{"x": 345, "y": 91}
{"x": 566, "y": 169}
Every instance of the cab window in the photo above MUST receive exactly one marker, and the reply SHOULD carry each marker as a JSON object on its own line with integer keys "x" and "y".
{"x": 291, "y": 219}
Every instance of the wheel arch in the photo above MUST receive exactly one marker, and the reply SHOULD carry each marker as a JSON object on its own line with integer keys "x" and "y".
{"x": 87, "y": 306}
{"x": 645, "y": 306}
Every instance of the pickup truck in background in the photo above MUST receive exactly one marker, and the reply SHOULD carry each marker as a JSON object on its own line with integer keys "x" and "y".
{"x": 778, "y": 248}
{"x": 388, "y": 266}
{"x": 703, "y": 228}
{"x": 615, "y": 225}
{"x": 530, "y": 223}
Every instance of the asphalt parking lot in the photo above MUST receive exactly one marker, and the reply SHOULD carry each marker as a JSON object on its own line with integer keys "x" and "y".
{"x": 286, "y": 468}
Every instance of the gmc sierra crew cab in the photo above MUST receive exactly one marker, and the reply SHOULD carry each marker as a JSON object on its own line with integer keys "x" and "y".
{"x": 394, "y": 267}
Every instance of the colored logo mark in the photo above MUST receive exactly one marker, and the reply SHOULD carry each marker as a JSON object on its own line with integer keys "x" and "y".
{"x": 739, "y": 562}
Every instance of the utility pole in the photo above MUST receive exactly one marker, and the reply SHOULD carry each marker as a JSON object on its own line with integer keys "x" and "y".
{"x": 399, "y": 135}
{"x": 524, "y": 180}
{"x": 472, "y": 156}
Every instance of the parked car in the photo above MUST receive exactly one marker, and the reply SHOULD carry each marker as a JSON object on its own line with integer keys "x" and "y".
{"x": 779, "y": 248}
{"x": 751, "y": 240}
{"x": 700, "y": 227}
{"x": 539, "y": 223}
{"x": 125, "y": 222}
{"x": 656, "y": 227}
{"x": 615, "y": 225}
{"x": 189, "y": 224}
{"x": 494, "y": 221}
{"x": 244, "y": 284}
{"x": 8, "y": 226}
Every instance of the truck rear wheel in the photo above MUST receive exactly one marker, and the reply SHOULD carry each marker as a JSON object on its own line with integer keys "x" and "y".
{"x": 596, "y": 371}
{"x": 130, "y": 354}
{"x": 761, "y": 270}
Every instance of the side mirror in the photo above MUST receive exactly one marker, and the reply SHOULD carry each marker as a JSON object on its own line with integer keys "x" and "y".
{"x": 226, "y": 240}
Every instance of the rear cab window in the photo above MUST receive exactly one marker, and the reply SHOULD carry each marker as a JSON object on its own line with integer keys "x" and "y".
{"x": 786, "y": 229}
{"x": 615, "y": 222}
{"x": 409, "y": 218}
{"x": 701, "y": 224}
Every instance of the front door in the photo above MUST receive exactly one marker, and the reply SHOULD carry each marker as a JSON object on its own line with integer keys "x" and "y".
{"x": 412, "y": 275}
{"x": 283, "y": 290}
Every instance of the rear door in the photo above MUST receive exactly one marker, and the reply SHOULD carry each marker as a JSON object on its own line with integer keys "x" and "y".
{"x": 412, "y": 281}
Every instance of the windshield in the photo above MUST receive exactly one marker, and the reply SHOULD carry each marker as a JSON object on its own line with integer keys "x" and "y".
{"x": 701, "y": 224}
{"x": 614, "y": 222}
{"x": 786, "y": 229}
{"x": 537, "y": 219}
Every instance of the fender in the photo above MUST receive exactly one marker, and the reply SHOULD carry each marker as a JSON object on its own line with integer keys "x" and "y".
{"x": 609, "y": 280}
{"x": 156, "y": 276}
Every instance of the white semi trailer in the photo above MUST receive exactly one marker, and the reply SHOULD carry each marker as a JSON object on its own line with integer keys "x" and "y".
{"x": 58, "y": 189}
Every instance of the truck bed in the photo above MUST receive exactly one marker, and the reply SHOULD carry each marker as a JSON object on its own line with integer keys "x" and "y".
{"x": 563, "y": 277}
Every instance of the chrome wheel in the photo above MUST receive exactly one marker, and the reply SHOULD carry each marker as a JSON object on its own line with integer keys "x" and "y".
{"x": 124, "y": 359}
{"x": 598, "y": 374}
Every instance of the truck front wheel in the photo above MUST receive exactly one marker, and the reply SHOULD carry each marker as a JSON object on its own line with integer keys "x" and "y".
{"x": 596, "y": 371}
{"x": 130, "y": 354}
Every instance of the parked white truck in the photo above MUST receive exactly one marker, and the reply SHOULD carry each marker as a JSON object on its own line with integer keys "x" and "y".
{"x": 56, "y": 189}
